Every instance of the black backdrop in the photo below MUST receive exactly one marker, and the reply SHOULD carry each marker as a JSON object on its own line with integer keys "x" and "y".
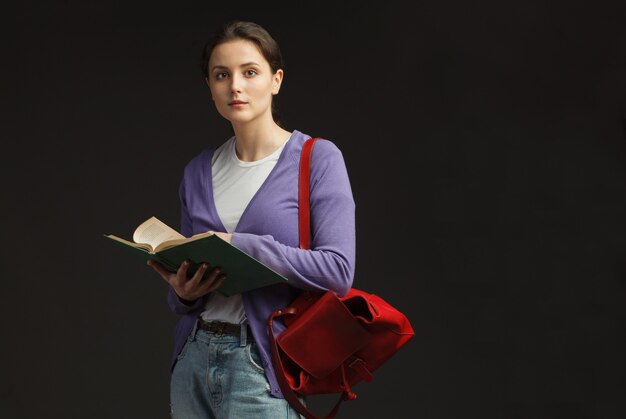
{"x": 486, "y": 149}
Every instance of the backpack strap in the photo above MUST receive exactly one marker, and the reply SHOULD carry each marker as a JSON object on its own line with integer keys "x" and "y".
{"x": 304, "y": 211}
{"x": 304, "y": 226}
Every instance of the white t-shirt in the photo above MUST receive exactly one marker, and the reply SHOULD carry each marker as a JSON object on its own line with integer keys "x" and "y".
{"x": 234, "y": 184}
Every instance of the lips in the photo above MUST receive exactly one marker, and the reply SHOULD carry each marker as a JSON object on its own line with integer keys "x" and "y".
{"x": 237, "y": 102}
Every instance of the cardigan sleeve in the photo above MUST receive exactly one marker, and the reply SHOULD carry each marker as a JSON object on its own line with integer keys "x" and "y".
{"x": 330, "y": 263}
{"x": 176, "y": 305}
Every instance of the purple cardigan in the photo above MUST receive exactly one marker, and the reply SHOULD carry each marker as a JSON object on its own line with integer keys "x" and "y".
{"x": 268, "y": 231}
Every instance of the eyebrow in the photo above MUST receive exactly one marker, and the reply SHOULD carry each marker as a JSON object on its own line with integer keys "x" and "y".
{"x": 242, "y": 65}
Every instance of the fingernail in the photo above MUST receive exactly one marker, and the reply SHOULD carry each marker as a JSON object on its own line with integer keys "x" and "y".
{"x": 148, "y": 262}
{"x": 204, "y": 266}
{"x": 186, "y": 262}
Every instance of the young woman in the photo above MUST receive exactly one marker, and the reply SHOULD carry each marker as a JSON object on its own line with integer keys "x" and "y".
{"x": 246, "y": 191}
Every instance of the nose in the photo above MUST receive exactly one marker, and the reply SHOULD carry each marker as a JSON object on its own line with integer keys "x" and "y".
{"x": 236, "y": 82}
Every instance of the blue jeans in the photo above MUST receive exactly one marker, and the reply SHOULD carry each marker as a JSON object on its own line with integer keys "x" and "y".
{"x": 218, "y": 376}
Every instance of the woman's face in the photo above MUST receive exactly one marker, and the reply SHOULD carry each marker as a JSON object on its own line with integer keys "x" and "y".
{"x": 242, "y": 82}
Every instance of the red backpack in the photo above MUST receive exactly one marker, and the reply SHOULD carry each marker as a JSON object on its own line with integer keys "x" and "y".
{"x": 331, "y": 343}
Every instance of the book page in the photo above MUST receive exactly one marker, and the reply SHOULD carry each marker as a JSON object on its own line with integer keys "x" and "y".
{"x": 154, "y": 232}
{"x": 138, "y": 245}
{"x": 171, "y": 243}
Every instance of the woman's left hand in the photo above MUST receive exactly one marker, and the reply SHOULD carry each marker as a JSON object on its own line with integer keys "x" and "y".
{"x": 224, "y": 236}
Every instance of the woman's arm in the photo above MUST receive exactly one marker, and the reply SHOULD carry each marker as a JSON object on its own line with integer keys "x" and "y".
{"x": 329, "y": 264}
{"x": 175, "y": 302}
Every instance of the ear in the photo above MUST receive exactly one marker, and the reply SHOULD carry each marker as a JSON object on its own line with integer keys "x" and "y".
{"x": 277, "y": 80}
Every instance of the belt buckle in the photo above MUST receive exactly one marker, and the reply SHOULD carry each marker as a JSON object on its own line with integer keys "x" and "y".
{"x": 219, "y": 332}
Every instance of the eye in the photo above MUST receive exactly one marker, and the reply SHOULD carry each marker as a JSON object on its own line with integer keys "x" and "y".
{"x": 221, "y": 75}
{"x": 251, "y": 73}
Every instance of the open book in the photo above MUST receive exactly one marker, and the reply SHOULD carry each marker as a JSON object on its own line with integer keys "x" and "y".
{"x": 155, "y": 240}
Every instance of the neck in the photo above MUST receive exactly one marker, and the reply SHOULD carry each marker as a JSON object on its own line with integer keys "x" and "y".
{"x": 258, "y": 139}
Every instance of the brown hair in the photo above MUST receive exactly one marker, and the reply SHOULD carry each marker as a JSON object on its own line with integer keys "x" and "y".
{"x": 252, "y": 32}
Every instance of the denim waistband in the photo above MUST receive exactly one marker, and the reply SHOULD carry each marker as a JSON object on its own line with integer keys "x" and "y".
{"x": 206, "y": 336}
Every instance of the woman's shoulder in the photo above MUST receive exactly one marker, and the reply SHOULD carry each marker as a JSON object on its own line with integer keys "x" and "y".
{"x": 326, "y": 158}
{"x": 322, "y": 149}
{"x": 199, "y": 160}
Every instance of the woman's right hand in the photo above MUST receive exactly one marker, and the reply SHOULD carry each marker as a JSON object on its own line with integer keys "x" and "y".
{"x": 190, "y": 289}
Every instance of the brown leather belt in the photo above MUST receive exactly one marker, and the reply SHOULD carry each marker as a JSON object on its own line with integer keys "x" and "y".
{"x": 222, "y": 328}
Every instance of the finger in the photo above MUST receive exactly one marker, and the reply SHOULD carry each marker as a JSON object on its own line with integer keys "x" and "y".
{"x": 213, "y": 282}
{"x": 213, "y": 275}
{"x": 197, "y": 277}
{"x": 181, "y": 273}
{"x": 217, "y": 283}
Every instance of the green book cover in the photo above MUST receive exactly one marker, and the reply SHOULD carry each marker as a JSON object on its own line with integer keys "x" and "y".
{"x": 243, "y": 272}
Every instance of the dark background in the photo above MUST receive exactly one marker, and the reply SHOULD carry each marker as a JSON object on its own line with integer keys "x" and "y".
{"x": 485, "y": 144}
